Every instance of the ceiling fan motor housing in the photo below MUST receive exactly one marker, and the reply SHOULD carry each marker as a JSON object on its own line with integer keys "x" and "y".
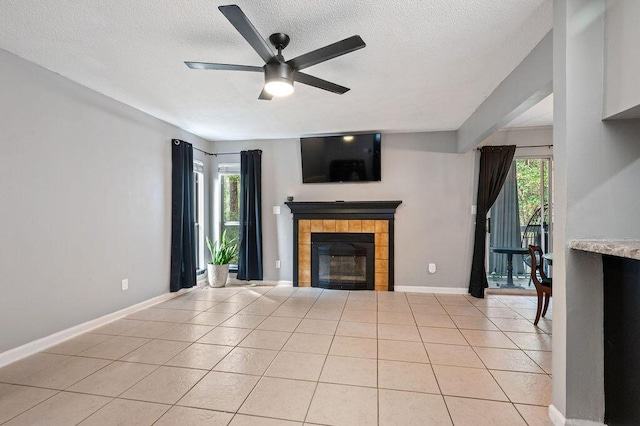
{"x": 278, "y": 71}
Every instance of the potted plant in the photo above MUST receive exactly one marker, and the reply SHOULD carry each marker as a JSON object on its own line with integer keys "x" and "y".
{"x": 221, "y": 255}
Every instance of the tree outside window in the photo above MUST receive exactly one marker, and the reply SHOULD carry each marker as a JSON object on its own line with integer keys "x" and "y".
{"x": 230, "y": 191}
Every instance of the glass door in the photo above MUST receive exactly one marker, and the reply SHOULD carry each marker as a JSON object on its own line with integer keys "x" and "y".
{"x": 521, "y": 216}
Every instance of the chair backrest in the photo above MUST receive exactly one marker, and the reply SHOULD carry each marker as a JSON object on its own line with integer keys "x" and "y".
{"x": 532, "y": 234}
{"x": 536, "y": 263}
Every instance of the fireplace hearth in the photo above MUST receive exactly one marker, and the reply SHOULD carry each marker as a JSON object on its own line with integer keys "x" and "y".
{"x": 343, "y": 261}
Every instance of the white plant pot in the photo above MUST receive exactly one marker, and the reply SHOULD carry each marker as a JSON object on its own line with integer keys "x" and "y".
{"x": 217, "y": 275}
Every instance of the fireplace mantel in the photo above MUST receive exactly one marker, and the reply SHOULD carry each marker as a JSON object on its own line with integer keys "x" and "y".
{"x": 373, "y": 217}
{"x": 336, "y": 209}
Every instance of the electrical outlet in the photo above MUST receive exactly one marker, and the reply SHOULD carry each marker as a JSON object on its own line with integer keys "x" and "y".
{"x": 125, "y": 284}
{"x": 432, "y": 268}
{"x": 474, "y": 209}
{"x": 277, "y": 264}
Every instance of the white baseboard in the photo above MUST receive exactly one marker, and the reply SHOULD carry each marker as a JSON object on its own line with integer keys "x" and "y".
{"x": 558, "y": 419}
{"x": 556, "y": 416}
{"x": 39, "y": 345}
{"x": 425, "y": 289}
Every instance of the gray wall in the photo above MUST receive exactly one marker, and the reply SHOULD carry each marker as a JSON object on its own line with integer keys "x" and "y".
{"x": 85, "y": 186}
{"x": 433, "y": 223}
{"x": 597, "y": 196}
{"x": 621, "y": 66}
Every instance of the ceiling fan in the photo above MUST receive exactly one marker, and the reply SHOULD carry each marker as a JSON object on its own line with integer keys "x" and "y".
{"x": 280, "y": 74}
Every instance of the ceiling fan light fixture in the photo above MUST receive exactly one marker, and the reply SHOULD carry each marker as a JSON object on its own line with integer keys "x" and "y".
{"x": 279, "y": 88}
{"x": 278, "y": 77}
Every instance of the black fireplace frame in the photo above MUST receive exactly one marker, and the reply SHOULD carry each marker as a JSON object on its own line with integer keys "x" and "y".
{"x": 364, "y": 240}
{"x": 344, "y": 210}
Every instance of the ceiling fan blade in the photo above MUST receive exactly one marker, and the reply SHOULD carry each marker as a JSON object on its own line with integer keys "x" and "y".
{"x": 239, "y": 20}
{"x": 265, "y": 96}
{"x": 224, "y": 67}
{"x": 310, "y": 80}
{"x": 328, "y": 52}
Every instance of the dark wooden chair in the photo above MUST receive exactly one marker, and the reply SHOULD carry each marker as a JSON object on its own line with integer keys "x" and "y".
{"x": 540, "y": 280}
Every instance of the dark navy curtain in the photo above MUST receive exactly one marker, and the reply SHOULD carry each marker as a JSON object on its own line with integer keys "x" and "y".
{"x": 250, "y": 246}
{"x": 183, "y": 250}
{"x": 495, "y": 162}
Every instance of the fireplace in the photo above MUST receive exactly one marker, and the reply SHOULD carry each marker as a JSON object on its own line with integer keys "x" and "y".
{"x": 343, "y": 266}
{"x": 343, "y": 261}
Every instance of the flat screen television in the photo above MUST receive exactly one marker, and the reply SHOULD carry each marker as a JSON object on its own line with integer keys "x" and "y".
{"x": 341, "y": 158}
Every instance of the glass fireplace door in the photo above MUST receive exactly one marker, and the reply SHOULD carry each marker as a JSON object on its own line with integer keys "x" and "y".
{"x": 342, "y": 261}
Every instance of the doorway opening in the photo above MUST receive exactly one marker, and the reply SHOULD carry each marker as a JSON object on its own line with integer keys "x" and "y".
{"x": 521, "y": 216}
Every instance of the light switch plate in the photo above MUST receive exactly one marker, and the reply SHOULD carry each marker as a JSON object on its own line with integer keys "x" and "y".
{"x": 276, "y": 209}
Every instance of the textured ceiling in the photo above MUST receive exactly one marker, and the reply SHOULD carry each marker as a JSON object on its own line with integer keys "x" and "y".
{"x": 427, "y": 65}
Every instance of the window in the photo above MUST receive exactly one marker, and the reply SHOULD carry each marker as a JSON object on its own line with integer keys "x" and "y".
{"x": 230, "y": 203}
{"x": 198, "y": 208}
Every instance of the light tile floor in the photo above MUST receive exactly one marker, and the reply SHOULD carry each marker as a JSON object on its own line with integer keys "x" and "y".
{"x": 293, "y": 356}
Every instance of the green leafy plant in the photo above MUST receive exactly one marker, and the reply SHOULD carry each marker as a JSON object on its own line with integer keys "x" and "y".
{"x": 223, "y": 252}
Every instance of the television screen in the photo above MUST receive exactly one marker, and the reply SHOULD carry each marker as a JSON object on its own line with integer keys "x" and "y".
{"x": 342, "y": 158}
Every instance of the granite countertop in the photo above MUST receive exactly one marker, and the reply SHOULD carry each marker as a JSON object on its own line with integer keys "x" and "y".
{"x": 621, "y": 248}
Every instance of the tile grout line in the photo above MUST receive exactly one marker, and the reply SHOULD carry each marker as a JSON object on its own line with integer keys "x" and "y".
{"x": 211, "y": 370}
{"x": 151, "y": 372}
{"x": 262, "y": 375}
{"x": 431, "y": 364}
{"x": 315, "y": 389}
{"x": 22, "y": 412}
{"x": 147, "y": 375}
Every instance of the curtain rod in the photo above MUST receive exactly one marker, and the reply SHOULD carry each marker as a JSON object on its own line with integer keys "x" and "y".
{"x": 523, "y": 146}
{"x": 216, "y": 153}
{"x": 535, "y": 146}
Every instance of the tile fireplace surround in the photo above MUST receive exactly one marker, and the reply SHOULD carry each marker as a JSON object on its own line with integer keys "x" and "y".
{"x": 375, "y": 217}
